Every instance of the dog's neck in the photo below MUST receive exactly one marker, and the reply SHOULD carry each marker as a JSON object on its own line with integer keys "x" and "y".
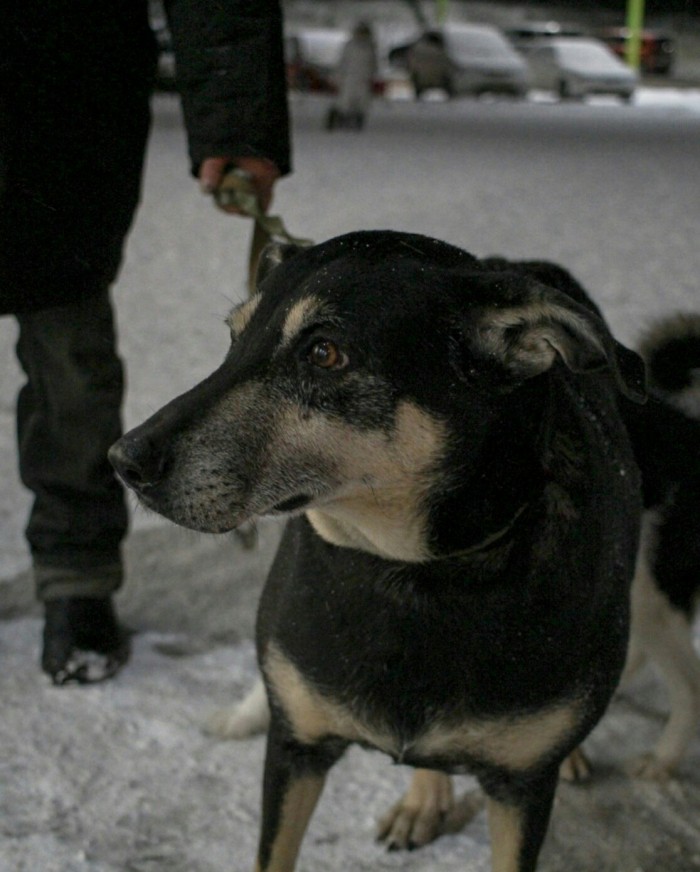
{"x": 395, "y": 536}
{"x": 397, "y": 539}
{"x": 491, "y": 541}
{"x": 466, "y": 504}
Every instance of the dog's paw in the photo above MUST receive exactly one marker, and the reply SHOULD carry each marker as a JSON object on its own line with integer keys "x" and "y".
{"x": 649, "y": 767}
{"x": 576, "y": 767}
{"x": 411, "y": 824}
{"x": 426, "y": 811}
{"x": 241, "y": 721}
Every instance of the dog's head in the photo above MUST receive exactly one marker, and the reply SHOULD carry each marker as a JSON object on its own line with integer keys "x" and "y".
{"x": 352, "y": 374}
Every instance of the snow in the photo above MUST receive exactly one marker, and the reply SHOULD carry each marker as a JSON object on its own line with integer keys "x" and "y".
{"x": 121, "y": 776}
{"x": 124, "y": 778}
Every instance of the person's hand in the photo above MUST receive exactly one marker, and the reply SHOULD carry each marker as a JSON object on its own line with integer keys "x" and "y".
{"x": 263, "y": 175}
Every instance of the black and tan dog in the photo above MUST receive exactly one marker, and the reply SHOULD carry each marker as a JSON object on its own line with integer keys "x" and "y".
{"x": 665, "y": 435}
{"x": 453, "y": 586}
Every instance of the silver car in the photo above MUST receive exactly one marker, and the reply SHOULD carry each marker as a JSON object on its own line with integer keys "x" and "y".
{"x": 575, "y": 67}
{"x": 476, "y": 59}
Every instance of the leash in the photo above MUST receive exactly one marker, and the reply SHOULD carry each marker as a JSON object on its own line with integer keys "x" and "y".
{"x": 237, "y": 190}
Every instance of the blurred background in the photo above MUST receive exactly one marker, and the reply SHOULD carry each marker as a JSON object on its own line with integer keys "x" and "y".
{"x": 481, "y": 36}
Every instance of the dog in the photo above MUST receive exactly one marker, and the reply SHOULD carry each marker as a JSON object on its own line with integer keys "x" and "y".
{"x": 453, "y": 584}
{"x": 666, "y": 587}
{"x": 666, "y": 439}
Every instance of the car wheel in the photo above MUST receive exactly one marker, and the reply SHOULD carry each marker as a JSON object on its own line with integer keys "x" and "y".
{"x": 566, "y": 93}
{"x": 332, "y": 119}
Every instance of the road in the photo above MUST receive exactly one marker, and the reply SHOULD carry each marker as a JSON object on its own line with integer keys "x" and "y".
{"x": 609, "y": 191}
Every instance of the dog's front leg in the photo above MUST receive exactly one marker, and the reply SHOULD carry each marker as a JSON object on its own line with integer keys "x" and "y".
{"x": 518, "y": 822}
{"x": 293, "y": 781}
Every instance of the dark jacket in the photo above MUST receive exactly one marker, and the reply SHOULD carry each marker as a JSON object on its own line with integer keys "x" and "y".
{"x": 230, "y": 71}
{"x": 75, "y": 83}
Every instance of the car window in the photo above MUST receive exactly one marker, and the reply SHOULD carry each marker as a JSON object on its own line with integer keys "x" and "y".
{"x": 322, "y": 48}
{"x": 475, "y": 44}
{"x": 586, "y": 53}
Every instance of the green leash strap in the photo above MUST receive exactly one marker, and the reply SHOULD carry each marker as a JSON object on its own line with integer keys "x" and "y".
{"x": 236, "y": 189}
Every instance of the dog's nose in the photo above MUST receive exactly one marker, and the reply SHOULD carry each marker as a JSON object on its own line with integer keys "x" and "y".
{"x": 138, "y": 461}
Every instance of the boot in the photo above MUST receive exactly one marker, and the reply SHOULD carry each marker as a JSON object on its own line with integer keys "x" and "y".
{"x": 83, "y": 641}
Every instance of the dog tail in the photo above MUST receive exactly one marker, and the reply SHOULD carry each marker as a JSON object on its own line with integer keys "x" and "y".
{"x": 671, "y": 351}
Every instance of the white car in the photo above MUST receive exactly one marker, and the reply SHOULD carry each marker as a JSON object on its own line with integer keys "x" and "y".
{"x": 312, "y": 55}
{"x": 575, "y": 67}
{"x": 478, "y": 59}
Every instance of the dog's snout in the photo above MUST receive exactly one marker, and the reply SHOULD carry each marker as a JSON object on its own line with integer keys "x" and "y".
{"x": 139, "y": 462}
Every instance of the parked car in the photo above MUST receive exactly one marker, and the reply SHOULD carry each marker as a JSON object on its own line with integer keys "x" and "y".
{"x": 576, "y": 67}
{"x": 479, "y": 60}
{"x": 312, "y": 55}
{"x": 657, "y": 50}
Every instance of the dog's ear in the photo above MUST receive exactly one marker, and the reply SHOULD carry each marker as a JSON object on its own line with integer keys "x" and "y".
{"x": 272, "y": 256}
{"x": 528, "y": 331}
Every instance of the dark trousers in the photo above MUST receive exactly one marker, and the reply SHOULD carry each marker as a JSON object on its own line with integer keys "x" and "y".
{"x": 68, "y": 415}
{"x": 75, "y": 116}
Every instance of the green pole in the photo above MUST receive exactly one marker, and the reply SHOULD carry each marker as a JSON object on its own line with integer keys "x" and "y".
{"x": 635, "y": 22}
{"x": 441, "y": 11}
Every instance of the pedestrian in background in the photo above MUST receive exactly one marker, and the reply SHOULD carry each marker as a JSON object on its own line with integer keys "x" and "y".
{"x": 355, "y": 77}
{"x": 75, "y": 83}
{"x": 429, "y": 64}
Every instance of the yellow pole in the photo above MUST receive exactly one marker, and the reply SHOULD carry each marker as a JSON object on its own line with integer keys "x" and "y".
{"x": 441, "y": 11}
{"x": 635, "y": 22}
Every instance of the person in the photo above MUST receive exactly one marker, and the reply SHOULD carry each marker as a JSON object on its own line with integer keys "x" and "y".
{"x": 429, "y": 64}
{"x": 75, "y": 83}
{"x": 355, "y": 76}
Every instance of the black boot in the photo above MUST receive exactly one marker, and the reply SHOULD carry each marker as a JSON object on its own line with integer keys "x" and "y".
{"x": 83, "y": 641}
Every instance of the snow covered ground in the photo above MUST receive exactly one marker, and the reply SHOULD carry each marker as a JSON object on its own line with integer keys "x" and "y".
{"x": 120, "y": 777}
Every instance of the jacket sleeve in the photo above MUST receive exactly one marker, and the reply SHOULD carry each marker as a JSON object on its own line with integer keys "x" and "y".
{"x": 231, "y": 75}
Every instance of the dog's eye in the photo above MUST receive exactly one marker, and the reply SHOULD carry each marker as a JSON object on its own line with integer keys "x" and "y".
{"x": 327, "y": 355}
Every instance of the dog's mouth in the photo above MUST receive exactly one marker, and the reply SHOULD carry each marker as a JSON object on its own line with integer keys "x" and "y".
{"x": 210, "y": 518}
{"x": 292, "y": 504}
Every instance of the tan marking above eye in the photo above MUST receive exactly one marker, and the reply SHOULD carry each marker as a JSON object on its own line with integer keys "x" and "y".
{"x": 299, "y": 317}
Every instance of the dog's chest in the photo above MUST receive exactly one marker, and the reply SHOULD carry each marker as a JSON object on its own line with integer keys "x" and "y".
{"x": 457, "y": 744}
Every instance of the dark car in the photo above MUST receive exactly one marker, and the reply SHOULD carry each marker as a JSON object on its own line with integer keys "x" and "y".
{"x": 657, "y": 50}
